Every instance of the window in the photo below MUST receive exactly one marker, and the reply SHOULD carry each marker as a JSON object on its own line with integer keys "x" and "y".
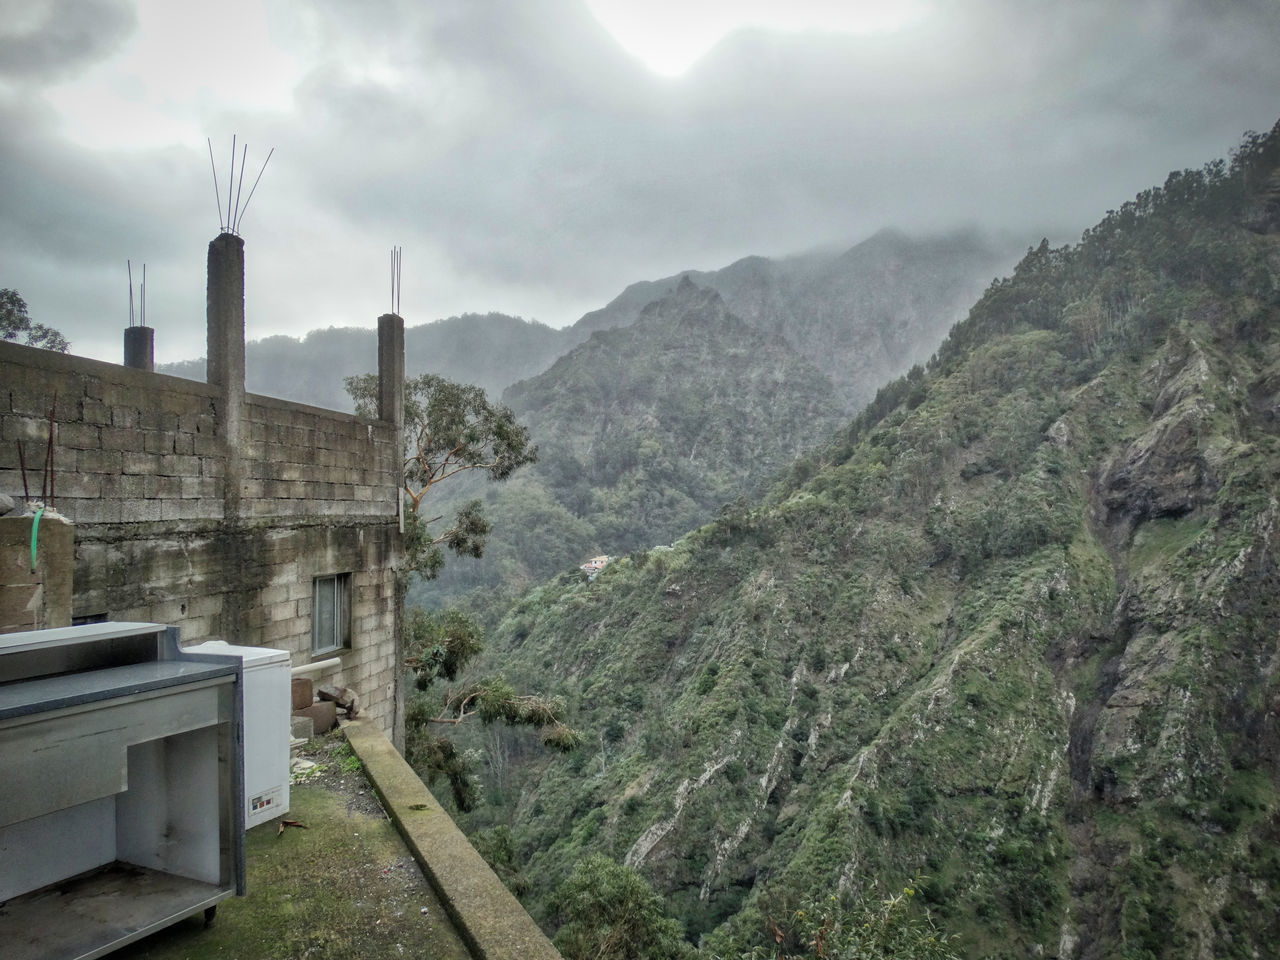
{"x": 331, "y": 613}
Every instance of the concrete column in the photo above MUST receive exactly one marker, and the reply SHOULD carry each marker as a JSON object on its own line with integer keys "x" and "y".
{"x": 140, "y": 348}
{"x": 391, "y": 369}
{"x": 225, "y": 317}
{"x": 391, "y": 410}
{"x": 225, "y": 357}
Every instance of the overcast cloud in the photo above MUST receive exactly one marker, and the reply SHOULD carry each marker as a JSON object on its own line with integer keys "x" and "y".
{"x": 527, "y": 163}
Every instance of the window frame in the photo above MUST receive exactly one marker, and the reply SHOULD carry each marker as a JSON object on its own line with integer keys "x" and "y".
{"x": 338, "y": 586}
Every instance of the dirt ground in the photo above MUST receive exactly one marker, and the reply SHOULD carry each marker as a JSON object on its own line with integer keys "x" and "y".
{"x": 342, "y": 887}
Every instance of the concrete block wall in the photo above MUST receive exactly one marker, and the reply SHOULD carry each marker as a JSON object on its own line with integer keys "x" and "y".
{"x": 212, "y": 510}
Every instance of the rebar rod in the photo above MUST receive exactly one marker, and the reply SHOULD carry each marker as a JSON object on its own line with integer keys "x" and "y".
{"x": 255, "y": 185}
{"x": 22, "y": 465}
{"x": 217, "y": 194}
{"x": 230, "y": 181}
{"x": 235, "y": 221}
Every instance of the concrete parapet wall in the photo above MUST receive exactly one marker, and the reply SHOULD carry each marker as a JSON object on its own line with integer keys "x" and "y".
{"x": 490, "y": 919}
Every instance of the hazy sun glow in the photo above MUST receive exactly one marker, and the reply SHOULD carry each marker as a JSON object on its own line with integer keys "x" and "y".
{"x": 668, "y": 36}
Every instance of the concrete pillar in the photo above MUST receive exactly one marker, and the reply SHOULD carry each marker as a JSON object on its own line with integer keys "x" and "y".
{"x": 39, "y": 599}
{"x": 140, "y": 348}
{"x": 391, "y": 369}
{"x": 225, "y": 357}
{"x": 225, "y": 317}
{"x": 391, "y": 410}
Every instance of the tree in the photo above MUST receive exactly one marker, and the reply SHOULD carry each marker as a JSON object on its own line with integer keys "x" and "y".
{"x": 888, "y": 929}
{"x": 438, "y": 646}
{"x": 14, "y": 322}
{"x": 450, "y": 428}
{"x": 609, "y": 912}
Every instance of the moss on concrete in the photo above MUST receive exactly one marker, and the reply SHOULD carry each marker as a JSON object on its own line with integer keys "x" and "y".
{"x": 488, "y": 916}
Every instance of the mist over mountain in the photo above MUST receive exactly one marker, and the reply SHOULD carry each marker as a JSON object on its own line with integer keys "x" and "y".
{"x": 644, "y": 432}
{"x": 1015, "y": 633}
{"x": 862, "y": 316}
{"x": 491, "y": 350}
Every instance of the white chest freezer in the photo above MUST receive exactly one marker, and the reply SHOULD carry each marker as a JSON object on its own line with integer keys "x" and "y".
{"x": 266, "y": 727}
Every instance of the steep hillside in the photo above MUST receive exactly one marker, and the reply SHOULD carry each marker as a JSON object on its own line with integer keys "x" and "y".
{"x": 1017, "y": 634}
{"x": 490, "y": 350}
{"x": 863, "y": 316}
{"x": 645, "y": 432}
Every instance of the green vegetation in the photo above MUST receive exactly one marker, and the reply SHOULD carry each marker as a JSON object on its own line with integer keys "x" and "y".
{"x": 15, "y": 322}
{"x": 645, "y": 432}
{"x": 887, "y": 929}
{"x": 1013, "y": 630}
{"x": 608, "y": 912}
{"x": 452, "y": 429}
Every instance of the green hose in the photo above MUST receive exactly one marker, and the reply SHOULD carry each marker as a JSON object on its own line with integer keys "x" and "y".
{"x": 35, "y": 529}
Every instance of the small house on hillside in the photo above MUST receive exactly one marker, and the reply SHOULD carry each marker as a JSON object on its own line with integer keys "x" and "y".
{"x": 594, "y": 566}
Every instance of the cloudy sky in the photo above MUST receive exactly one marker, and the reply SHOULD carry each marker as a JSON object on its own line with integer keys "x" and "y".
{"x": 535, "y": 156}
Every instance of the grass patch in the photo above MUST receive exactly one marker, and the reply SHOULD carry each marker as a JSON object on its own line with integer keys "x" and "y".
{"x": 343, "y": 888}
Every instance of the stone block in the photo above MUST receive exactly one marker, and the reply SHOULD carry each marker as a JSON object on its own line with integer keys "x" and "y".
{"x": 140, "y": 511}
{"x": 118, "y": 438}
{"x": 99, "y": 461}
{"x": 96, "y": 412}
{"x": 92, "y": 511}
{"x": 125, "y": 486}
{"x": 135, "y": 461}
{"x": 161, "y": 488}
{"x": 175, "y": 465}
{"x": 206, "y": 445}
{"x": 324, "y": 715}
{"x": 157, "y": 442}
{"x": 79, "y": 436}
{"x": 302, "y": 728}
{"x": 302, "y": 693}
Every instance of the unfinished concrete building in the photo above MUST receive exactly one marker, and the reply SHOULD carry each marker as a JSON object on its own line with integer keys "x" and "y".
{"x": 232, "y": 516}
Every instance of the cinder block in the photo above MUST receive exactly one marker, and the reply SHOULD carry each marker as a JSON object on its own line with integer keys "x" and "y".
{"x": 99, "y": 461}
{"x": 174, "y": 465}
{"x": 135, "y": 461}
{"x": 96, "y": 412}
{"x": 157, "y": 442}
{"x": 79, "y": 436}
{"x": 119, "y": 438}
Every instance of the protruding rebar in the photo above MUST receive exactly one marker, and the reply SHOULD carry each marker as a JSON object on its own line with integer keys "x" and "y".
{"x": 243, "y": 153}
{"x": 231, "y": 180}
{"x": 128, "y": 264}
{"x": 217, "y": 194}
{"x": 253, "y": 188}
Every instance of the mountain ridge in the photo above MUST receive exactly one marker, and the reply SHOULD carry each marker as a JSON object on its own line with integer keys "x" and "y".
{"x": 1014, "y": 631}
